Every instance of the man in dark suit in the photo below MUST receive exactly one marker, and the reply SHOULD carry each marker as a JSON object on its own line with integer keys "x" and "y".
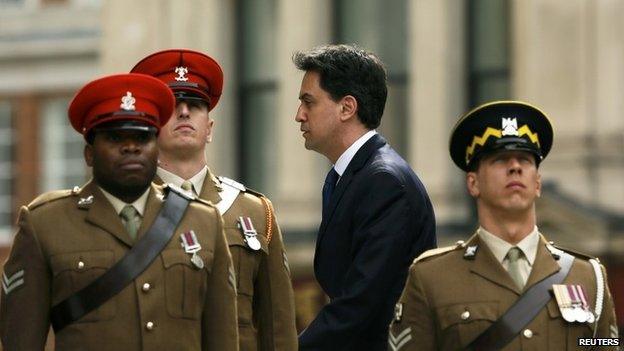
{"x": 377, "y": 216}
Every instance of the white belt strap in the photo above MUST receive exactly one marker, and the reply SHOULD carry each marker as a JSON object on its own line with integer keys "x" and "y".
{"x": 228, "y": 196}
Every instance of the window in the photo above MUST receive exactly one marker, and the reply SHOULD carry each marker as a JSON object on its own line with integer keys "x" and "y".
{"x": 62, "y": 162}
{"x": 257, "y": 91}
{"x": 488, "y": 51}
{"x": 6, "y": 168}
{"x": 365, "y": 23}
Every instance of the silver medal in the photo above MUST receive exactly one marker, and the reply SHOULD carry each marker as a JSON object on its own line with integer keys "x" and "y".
{"x": 197, "y": 261}
{"x": 250, "y": 236}
{"x": 252, "y": 242}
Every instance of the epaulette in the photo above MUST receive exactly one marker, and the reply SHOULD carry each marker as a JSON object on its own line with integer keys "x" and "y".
{"x": 232, "y": 183}
{"x": 239, "y": 186}
{"x": 52, "y": 196}
{"x": 439, "y": 251}
{"x": 574, "y": 252}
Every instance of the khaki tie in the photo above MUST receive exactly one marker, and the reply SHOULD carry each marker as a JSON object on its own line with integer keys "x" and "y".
{"x": 514, "y": 256}
{"x": 132, "y": 220}
{"x": 187, "y": 185}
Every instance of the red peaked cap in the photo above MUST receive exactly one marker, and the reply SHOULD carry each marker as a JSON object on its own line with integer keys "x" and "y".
{"x": 130, "y": 97}
{"x": 188, "y": 73}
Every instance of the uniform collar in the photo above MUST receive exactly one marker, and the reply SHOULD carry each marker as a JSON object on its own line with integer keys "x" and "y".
{"x": 118, "y": 205}
{"x": 343, "y": 161}
{"x": 500, "y": 247}
{"x": 197, "y": 180}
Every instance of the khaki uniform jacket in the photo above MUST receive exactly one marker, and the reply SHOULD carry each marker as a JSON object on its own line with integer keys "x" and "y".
{"x": 63, "y": 243}
{"x": 441, "y": 288}
{"x": 266, "y": 309}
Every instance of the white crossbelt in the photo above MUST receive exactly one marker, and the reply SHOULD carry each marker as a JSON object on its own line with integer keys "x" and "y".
{"x": 228, "y": 196}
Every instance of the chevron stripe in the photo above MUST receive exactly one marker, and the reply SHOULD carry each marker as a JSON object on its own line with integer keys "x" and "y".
{"x": 11, "y": 283}
{"x": 397, "y": 342}
{"x": 613, "y": 329}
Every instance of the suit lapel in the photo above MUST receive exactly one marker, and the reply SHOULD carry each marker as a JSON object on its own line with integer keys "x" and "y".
{"x": 358, "y": 161}
{"x": 543, "y": 266}
{"x": 101, "y": 213}
{"x": 210, "y": 189}
{"x": 152, "y": 207}
{"x": 488, "y": 267}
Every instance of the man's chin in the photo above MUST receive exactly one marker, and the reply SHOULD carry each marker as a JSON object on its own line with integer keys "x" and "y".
{"x": 184, "y": 146}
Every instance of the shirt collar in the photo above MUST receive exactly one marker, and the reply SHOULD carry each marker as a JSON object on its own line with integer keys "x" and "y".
{"x": 197, "y": 180}
{"x": 118, "y": 205}
{"x": 346, "y": 157}
{"x": 500, "y": 247}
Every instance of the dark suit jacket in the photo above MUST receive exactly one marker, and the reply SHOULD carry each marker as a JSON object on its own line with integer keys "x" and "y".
{"x": 379, "y": 219}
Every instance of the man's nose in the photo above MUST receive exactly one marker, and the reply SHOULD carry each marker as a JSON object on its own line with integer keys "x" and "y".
{"x": 299, "y": 116}
{"x": 130, "y": 145}
{"x": 514, "y": 165}
{"x": 183, "y": 111}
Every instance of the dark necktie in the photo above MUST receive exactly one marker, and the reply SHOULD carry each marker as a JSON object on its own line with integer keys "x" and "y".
{"x": 328, "y": 188}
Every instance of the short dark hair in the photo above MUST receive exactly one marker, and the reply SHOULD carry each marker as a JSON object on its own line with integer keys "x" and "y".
{"x": 348, "y": 70}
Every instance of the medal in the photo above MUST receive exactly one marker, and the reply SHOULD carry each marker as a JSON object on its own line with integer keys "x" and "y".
{"x": 577, "y": 303}
{"x": 589, "y": 315}
{"x": 249, "y": 233}
{"x": 197, "y": 261}
{"x": 564, "y": 302}
{"x": 191, "y": 246}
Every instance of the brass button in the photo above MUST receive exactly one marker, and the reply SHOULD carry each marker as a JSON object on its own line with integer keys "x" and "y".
{"x": 146, "y": 287}
{"x": 465, "y": 315}
{"x": 81, "y": 265}
{"x": 149, "y": 325}
{"x": 527, "y": 333}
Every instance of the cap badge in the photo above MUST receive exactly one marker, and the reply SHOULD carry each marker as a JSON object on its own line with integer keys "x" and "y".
{"x": 510, "y": 126}
{"x": 127, "y": 102}
{"x": 181, "y": 71}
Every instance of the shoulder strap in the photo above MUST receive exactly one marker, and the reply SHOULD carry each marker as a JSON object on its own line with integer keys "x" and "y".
{"x": 522, "y": 312}
{"x": 125, "y": 270}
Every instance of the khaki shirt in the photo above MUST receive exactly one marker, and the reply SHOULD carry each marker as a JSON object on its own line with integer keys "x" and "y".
{"x": 451, "y": 297}
{"x": 500, "y": 248}
{"x": 266, "y": 311}
{"x": 67, "y": 239}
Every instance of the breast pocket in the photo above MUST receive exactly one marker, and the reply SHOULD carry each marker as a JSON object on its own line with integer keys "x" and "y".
{"x": 185, "y": 283}
{"x": 246, "y": 265}
{"x": 563, "y": 332}
{"x": 73, "y": 271}
{"x": 462, "y": 323}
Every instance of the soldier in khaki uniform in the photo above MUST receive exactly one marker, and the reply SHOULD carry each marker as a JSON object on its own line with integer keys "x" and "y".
{"x": 455, "y": 297}
{"x": 266, "y": 315}
{"x": 68, "y": 240}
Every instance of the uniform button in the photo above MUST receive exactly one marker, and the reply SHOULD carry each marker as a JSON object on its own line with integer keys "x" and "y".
{"x": 149, "y": 325}
{"x": 465, "y": 315}
{"x": 81, "y": 265}
{"x": 146, "y": 287}
{"x": 527, "y": 333}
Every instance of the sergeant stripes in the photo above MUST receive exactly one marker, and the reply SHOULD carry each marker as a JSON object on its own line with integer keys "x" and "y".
{"x": 396, "y": 343}
{"x": 13, "y": 282}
